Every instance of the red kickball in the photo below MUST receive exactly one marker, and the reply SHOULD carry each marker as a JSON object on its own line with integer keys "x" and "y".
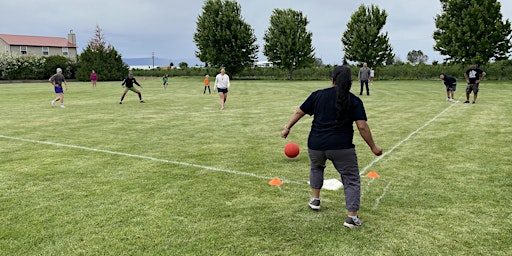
{"x": 291, "y": 150}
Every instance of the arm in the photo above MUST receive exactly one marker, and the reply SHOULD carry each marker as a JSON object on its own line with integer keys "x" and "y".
{"x": 483, "y": 76}
{"x": 365, "y": 132}
{"x": 137, "y": 83}
{"x": 123, "y": 83}
{"x": 466, "y": 77}
{"x": 293, "y": 119}
{"x": 215, "y": 84}
{"x": 229, "y": 83}
{"x": 65, "y": 85}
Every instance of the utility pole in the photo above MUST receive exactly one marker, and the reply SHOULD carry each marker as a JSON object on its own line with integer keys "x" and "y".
{"x": 153, "y": 55}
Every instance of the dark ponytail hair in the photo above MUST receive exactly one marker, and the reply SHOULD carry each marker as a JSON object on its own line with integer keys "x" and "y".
{"x": 342, "y": 77}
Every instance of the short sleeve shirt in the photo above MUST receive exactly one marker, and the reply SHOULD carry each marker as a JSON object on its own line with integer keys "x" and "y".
{"x": 326, "y": 132}
{"x": 57, "y": 79}
{"x": 474, "y": 74}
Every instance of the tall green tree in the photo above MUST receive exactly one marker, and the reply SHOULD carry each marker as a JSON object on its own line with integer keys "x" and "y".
{"x": 223, "y": 38}
{"x": 363, "y": 40}
{"x": 472, "y": 30}
{"x": 287, "y": 42}
{"x": 102, "y": 58}
{"x": 417, "y": 57}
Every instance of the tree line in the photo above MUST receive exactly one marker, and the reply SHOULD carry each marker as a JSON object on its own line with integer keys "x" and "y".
{"x": 466, "y": 31}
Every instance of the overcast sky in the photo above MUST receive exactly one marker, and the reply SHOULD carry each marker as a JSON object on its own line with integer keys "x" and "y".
{"x": 138, "y": 28}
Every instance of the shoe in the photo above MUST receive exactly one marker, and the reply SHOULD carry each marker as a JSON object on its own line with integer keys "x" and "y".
{"x": 314, "y": 204}
{"x": 473, "y": 102}
{"x": 53, "y": 103}
{"x": 350, "y": 223}
{"x": 120, "y": 102}
{"x": 466, "y": 102}
{"x": 62, "y": 106}
{"x": 447, "y": 99}
{"x": 141, "y": 101}
{"x": 452, "y": 100}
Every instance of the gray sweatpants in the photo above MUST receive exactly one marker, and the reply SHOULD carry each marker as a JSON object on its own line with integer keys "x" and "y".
{"x": 345, "y": 162}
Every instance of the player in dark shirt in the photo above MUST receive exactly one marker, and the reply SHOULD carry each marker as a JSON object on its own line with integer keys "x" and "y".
{"x": 451, "y": 83}
{"x": 472, "y": 76}
{"x": 128, "y": 86}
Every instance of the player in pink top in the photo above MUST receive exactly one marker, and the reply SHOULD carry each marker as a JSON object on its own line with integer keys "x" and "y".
{"x": 94, "y": 79}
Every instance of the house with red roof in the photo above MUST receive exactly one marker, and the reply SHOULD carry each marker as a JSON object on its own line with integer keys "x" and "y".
{"x": 21, "y": 45}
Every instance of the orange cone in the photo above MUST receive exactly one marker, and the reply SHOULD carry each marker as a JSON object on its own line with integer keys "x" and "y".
{"x": 372, "y": 175}
{"x": 275, "y": 182}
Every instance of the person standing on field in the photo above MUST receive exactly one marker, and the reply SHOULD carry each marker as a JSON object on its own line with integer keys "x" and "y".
{"x": 94, "y": 79}
{"x": 372, "y": 75}
{"x": 207, "y": 84}
{"x": 334, "y": 111}
{"x": 472, "y": 76}
{"x": 128, "y": 86}
{"x": 165, "y": 82}
{"x": 57, "y": 80}
{"x": 363, "y": 76}
{"x": 451, "y": 85}
{"x": 222, "y": 85}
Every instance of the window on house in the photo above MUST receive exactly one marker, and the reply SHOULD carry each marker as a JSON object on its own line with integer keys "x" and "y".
{"x": 46, "y": 50}
{"x": 23, "y": 49}
{"x": 65, "y": 51}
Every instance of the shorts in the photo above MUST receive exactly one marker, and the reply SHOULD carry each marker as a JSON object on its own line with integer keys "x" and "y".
{"x": 472, "y": 87}
{"x": 451, "y": 87}
{"x": 130, "y": 89}
{"x": 223, "y": 90}
{"x": 58, "y": 89}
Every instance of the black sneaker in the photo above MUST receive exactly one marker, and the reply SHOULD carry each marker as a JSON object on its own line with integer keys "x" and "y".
{"x": 314, "y": 204}
{"x": 141, "y": 101}
{"x": 350, "y": 223}
{"x": 120, "y": 102}
{"x": 473, "y": 102}
{"x": 466, "y": 102}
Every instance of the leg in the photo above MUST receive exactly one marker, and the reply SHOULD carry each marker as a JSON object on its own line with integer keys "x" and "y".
{"x": 140, "y": 95}
{"x": 316, "y": 174}
{"x": 210, "y": 92}
{"x": 221, "y": 97}
{"x": 345, "y": 162}
{"x": 362, "y": 84}
{"x": 122, "y": 96}
{"x": 367, "y": 88}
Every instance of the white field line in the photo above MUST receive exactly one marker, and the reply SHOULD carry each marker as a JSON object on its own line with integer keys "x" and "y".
{"x": 377, "y": 201}
{"x": 210, "y": 168}
{"x": 363, "y": 171}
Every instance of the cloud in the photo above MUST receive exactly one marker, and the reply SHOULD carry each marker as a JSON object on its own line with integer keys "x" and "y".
{"x": 166, "y": 27}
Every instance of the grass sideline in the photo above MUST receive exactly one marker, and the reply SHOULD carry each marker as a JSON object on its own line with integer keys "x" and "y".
{"x": 177, "y": 176}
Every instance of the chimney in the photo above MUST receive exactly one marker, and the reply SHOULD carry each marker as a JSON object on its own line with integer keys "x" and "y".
{"x": 72, "y": 37}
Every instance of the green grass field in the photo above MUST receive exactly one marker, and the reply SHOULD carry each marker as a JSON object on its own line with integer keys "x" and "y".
{"x": 177, "y": 176}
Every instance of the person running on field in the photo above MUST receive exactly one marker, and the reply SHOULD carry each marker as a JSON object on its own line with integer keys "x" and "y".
{"x": 165, "y": 82}
{"x": 451, "y": 84}
{"x": 472, "y": 76}
{"x": 57, "y": 80}
{"x": 334, "y": 111}
{"x": 128, "y": 86}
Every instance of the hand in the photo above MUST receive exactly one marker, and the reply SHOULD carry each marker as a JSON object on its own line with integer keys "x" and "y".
{"x": 285, "y": 132}
{"x": 377, "y": 150}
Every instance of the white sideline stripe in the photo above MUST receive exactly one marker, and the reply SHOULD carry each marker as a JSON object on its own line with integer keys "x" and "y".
{"x": 150, "y": 158}
{"x": 377, "y": 201}
{"x": 404, "y": 140}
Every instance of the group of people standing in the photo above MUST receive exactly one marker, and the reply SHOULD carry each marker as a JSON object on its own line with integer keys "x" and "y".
{"x": 473, "y": 77}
